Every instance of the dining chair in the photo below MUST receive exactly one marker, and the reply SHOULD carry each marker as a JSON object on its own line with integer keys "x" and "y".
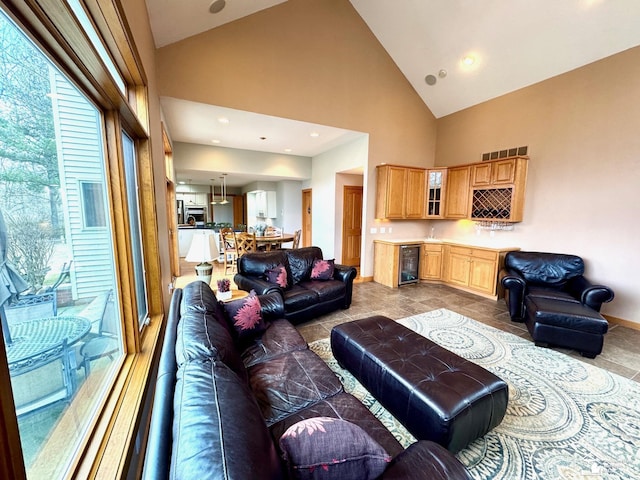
{"x": 296, "y": 239}
{"x": 245, "y": 243}
{"x": 228, "y": 241}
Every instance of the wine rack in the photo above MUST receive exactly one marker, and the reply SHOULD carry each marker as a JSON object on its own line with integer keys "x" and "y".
{"x": 494, "y": 204}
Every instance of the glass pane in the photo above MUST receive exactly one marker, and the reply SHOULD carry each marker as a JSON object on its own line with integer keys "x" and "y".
{"x": 131, "y": 176}
{"x": 61, "y": 322}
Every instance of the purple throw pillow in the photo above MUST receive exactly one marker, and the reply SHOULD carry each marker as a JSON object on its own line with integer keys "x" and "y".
{"x": 246, "y": 316}
{"x": 323, "y": 448}
{"x": 277, "y": 275}
{"x": 322, "y": 269}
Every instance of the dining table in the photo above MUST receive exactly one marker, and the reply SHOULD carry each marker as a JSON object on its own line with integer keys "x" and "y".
{"x": 268, "y": 241}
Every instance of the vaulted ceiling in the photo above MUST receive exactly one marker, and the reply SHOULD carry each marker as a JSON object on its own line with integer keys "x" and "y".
{"x": 513, "y": 44}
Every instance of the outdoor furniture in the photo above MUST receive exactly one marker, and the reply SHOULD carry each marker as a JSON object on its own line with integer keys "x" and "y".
{"x": 26, "y": 308}
{"x": 41, "y": 348}
{"x": 106, "y": 341}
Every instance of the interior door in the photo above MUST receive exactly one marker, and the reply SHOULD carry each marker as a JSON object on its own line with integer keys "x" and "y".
{"x": 351, "y": 225}
{"x": 306, "y": 217}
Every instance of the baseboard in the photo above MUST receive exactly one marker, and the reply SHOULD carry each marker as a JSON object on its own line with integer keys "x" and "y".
{"x": 622, "y": 322}
{"x": 363, "y": 279}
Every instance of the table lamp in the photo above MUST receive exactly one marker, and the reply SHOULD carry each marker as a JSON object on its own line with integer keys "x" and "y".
{"x": 203, "y": 249}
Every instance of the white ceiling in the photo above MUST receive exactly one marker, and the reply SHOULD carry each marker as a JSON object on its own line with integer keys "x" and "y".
{"x": 516, "y": 43}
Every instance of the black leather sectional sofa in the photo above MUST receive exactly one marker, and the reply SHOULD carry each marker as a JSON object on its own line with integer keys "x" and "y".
{"x": 223, "y": 402}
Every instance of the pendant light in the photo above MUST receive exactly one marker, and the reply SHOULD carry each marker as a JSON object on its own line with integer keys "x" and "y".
{"x": 213, "y": 199}
{"x": 224, "y": 189}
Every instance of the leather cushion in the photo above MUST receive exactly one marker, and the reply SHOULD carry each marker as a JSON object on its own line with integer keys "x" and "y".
{"x": 301, "y": 262}
{"x": 197, "y": 296}
{"x": 551, "y": 294}
{"x": 290, "y": 382}
{"x": 298, "y": 298}
{"x": 572, "y": 316}
{"x": 552, "y": 269}
{"x": 200, "y": 336}
{"x": 326, "y": 289}
{"x": 255, "y": 264}
{"x": 279, "y": 337}
{"x": 218, "y": 431}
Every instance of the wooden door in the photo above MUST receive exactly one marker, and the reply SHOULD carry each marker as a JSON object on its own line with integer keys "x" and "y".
{"x": 307, "y": 211}
{"x": 238, "y": 210}
{"x": 351, "y": 225}
{"x": 457, "y": 193}
{"x": 415, "y": 186}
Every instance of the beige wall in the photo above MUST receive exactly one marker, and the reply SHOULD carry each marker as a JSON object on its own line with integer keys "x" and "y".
{"x": 309, "y": 60}
{"x": 583, "y": 189}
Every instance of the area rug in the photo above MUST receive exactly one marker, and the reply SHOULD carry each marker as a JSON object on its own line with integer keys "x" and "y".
{"x": 565, "y": 419}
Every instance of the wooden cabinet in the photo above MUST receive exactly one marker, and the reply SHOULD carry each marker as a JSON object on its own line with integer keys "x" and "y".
{"x": 457, "y": 192}
{"x": 436, "y": 188}
{"x": 498, "y": 188}
{"x": 386, "y": 263}
{"x": 400, "y": 192}
{"x": 430, "y": 262}
{"x": 472, "y": 268}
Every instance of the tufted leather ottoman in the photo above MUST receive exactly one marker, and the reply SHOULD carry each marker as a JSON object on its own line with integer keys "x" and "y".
{"x": 433, "y": 392}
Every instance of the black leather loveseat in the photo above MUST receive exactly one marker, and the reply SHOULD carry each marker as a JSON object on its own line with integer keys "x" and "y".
{"x": 304, "y": 297}
{"x": 222, "y": 402}
{"x": 548, "y": 291}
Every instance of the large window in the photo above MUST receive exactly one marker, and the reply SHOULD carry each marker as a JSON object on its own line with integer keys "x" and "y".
{"x": 62, "y": 326}
{"x": 74, "y": 231}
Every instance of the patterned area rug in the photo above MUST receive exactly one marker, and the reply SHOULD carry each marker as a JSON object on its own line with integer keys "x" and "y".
{"x": 565, "y": 419}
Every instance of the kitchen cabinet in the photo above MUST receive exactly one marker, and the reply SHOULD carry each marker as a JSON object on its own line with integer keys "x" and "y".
{"x": 390, "y": 257}
{"x": 262, "y": 204}
{"x": 436, "y": 182}
{"x": 400, "y": 192}
{"x": 473, "y": 268}
{"x": 431, "y": 262}
{"x": 457, "y": 192}
{"x": 498, "y": 190}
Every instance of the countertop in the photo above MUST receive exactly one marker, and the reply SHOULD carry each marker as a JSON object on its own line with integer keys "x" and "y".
{"x": 488, "y": 245}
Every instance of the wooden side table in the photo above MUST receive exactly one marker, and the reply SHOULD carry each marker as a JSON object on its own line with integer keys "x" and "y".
{"x": 235, "y": 295}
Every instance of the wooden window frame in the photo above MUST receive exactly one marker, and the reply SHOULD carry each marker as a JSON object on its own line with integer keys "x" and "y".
{"x": 107, "y": 451}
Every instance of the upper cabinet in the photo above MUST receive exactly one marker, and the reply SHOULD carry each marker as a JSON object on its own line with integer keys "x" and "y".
{"x": 497, "y": 190}
{"x": 400, "y": 192}
{"x": 436, "y": 183}
{"x": 262, "y": 204}
{"x": 457, "y": 193}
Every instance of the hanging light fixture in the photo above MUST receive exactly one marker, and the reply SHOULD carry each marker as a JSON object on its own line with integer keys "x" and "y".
{"x": 224, "y": 189}
{"x": 213, "y": 199}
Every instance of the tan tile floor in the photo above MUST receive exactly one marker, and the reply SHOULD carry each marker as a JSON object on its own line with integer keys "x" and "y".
{"x": 621, "y": 352}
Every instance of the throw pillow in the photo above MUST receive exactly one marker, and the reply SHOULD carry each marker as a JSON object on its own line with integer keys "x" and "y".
{"x": 322, "y": 269}
{"x": 246, "y": 316}
{"x": 277, "y": 275}
{"x": 331, "y": 448}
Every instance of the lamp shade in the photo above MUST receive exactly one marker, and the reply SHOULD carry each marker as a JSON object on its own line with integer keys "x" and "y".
{"x": 203, "y": 247}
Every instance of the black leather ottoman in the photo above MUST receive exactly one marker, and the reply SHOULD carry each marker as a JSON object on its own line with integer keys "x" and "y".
{"x": 433, "y": 392}
{"x": 565, "y": 324}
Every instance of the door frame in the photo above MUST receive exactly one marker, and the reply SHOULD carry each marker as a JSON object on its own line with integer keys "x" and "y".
{"x": 307, "y": 217}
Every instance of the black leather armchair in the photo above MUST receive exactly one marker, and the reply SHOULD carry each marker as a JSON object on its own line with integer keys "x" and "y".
{"x": 549, "y": 293}
{"x": 552, "y": 276}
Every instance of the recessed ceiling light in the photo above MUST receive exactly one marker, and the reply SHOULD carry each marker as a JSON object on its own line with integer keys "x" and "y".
{"x": 314, "y": 134}
{"x": 223, "y": 120}
{"x": 215, "y": 140}
{"x": 288, "y": 150}
{"x": 468, "y": 60}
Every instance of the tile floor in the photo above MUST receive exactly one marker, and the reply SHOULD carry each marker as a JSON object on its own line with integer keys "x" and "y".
{"x": 621, "y": 353}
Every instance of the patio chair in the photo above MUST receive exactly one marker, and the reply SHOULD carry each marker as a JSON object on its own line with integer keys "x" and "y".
{"x": 105, "y": 341}
{"x": 27, "y": 307}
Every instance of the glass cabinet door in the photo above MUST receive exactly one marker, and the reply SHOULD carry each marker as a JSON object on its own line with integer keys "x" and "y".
{"x": 435, "y": 193}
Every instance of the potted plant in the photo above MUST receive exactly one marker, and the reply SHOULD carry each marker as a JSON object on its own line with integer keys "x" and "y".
{"x": 224, "y": 289}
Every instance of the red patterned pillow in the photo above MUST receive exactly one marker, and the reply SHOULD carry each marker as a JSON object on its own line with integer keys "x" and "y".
{"x": 277, "y": 275}
{"x": 245, "y": 315}
{"x": 322, "y": 269}
{"x": 324, "y": 448}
